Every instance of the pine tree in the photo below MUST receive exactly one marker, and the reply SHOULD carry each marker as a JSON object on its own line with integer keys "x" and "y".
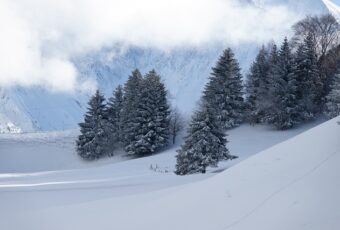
{"x": 309, "y": 82}
{"x": 273, "y": 61}
{"x": 205, "y": 144}
{"x": 333, "y": 99}
{"x": 257, "y": 87}
{"x": 93, "y": 139}
{"x": 284, "y": 112}
{"x": 223, "y": 93}
{"x": 114, "y": 117}
{"x": 152, "y": 116}
{"x": 131, "y": 100}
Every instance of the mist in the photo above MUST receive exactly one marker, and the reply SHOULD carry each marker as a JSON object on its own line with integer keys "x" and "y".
{"x": 39, "y": 38}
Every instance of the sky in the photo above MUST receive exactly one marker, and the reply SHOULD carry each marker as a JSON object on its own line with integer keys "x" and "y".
{"x": 39, "y": 38}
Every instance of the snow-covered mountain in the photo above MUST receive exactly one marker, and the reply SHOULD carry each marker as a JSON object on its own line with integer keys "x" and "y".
{"x": 185, "y": 71}
{"x": 333, "y": 9}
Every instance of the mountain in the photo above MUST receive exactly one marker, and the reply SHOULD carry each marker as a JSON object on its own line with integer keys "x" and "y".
{"x": 185, "y": 70}
{"x": 333, "y": 9}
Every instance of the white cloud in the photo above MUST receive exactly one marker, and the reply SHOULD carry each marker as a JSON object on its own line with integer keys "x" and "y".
{"x": 39, "y": 37}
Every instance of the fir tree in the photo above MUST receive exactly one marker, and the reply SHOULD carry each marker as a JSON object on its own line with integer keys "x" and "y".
{"x": 309, "y": 82}
{"x": 257, "y": 87}
{"x": 283, "y": 113}
{"x": 333, "y": 99}
{"x": 114, "y": 117}
{"x": 131, "y": 99}
{"x": 152, "y": 117}
{"x": 223, "y": 93}
{"x": 93, "y": 139}
{"x": 205, "y": 144}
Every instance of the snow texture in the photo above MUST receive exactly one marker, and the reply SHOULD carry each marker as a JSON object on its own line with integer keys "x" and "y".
{"x": 292, "y": 185}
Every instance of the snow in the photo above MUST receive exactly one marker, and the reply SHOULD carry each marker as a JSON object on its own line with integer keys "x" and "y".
{"x": 51, "y": 151}
{"x": 44, "y": 151}
{"x": 333, "y": 8}
{"x": 292, "y": 185}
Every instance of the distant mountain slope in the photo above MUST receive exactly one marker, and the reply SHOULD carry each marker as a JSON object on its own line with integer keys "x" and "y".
{"x": 185, "y": 70}
{"x": 333, "y": 9}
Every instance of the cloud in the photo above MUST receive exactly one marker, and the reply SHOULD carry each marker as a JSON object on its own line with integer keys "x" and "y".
{"x": 38, "y": 37}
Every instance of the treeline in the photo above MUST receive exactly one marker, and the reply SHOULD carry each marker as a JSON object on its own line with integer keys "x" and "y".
{"x": 291, "y": 85}
{"x": 137, "y": 118}
{"x": 285, "y": 87}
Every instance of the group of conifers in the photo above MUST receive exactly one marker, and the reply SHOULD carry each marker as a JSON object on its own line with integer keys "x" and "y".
{"x": 284, "y": 87}
{"x": 136, "y": 118}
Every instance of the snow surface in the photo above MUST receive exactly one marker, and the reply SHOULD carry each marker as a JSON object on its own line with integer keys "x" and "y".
{"x": 333, "y": 8}
{"x": 50, "y": 151}
{"x": 292, "y": 185}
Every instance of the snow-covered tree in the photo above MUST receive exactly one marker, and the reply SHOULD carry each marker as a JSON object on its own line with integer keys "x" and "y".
{"x": 152, "y": 117}
{"x": 224, "y": 93}
{"x": 257, "y": 87}
{"x": 333, "y": 99}
{"x": 205, "y": 144}
{"x": 283, "y": 113}
{"x": 309, "y": 81}
{"x": 93, "y": 138}
{"x": 114, "y": 117}
{"x": 176, "y": 123}
{"x": 131, "y": 100}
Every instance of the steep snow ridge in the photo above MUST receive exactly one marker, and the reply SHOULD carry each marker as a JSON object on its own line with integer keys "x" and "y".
{"x": 12, "y": 114}
{"x": 185, "y": 70}
{"x": 333, "y": 9}
{"x": 293, "y": 185}
{"x": 304, "y": 7}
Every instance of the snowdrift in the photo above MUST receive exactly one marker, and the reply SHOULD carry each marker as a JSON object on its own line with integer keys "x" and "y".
{"x": 293, "y": 185}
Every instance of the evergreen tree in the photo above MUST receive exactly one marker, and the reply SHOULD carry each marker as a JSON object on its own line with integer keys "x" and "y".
{"x": 309, "y": 82}
{"x": 131, "y": 100}
{"x": 152, "y": 116}
{"x": 223, "y": 93}
{"x": 333, "y": 99}
{"x": 205, "y": 144}
{"x": 267, "y": 103}
{"x": 114, "y": 117}
{"x": 273, "y": 61}
{"x": 257, "y": 87}
{"x": 93, "y": 139}
{"x": 283, "y": 111}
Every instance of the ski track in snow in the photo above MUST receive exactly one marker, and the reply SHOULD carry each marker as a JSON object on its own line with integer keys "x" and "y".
{"x": 282, "y": 189}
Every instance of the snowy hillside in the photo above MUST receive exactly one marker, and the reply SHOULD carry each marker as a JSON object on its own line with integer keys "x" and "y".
{"x": 292, "y": 185}
{"x": 185, "y": 71}
{"x": 333, "y": 9}
{"x": 50, "y": 151}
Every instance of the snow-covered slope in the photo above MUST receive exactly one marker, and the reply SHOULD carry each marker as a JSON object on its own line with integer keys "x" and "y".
{"x": 185, "y": 71}
{"x": 294, "y": 185}
{"x": 51, "y": 151}
{"x": 333, "y": 9}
